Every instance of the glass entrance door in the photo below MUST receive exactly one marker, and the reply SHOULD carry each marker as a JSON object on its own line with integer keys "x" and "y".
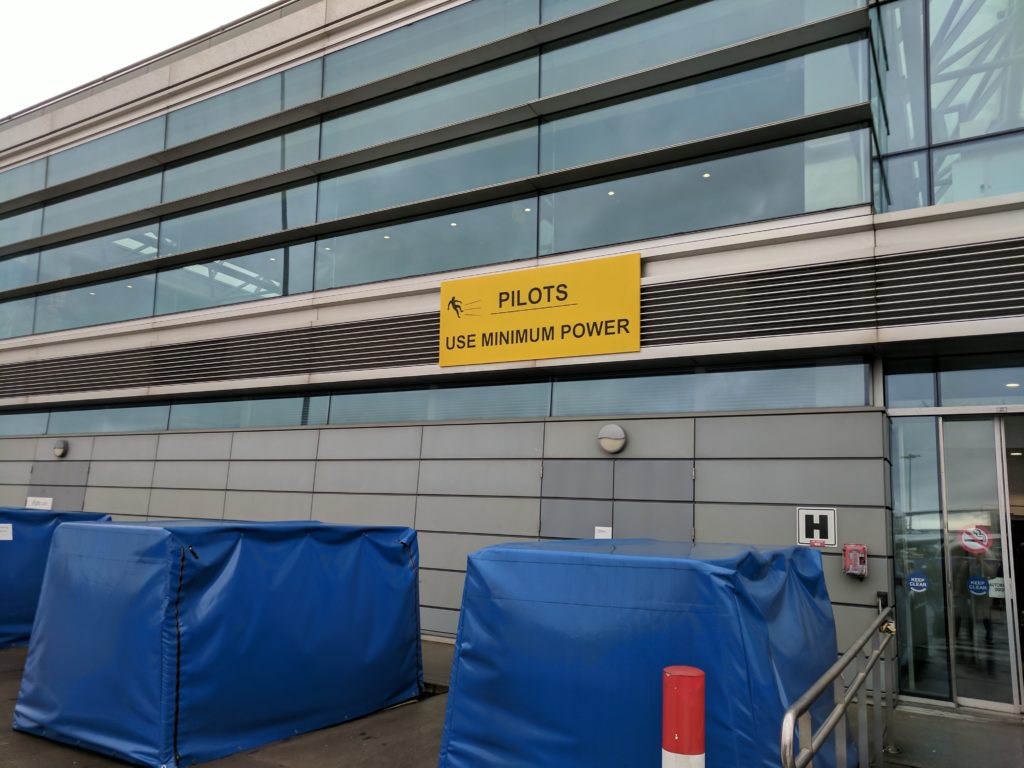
{"x": 982, "y": 632}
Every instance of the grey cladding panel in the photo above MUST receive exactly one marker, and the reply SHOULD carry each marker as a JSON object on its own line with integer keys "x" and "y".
{"x": 285, "y": 444}
{"x": 211, "y": 475}
{"x": 824, "y": 482}
{"x": 496, "y": 477}
{"x": 484, "y": 441}
{"x": 267, "y": 507}
{"x": 271, "y": 476}
{"x": 66, "y": 497}
{"x": 366, "y": 477}
{"x": 15, "y": 472}
{"x": 17, "y": 449}
{"x": 118, "y": 501}
{"x": 645, "y": 438}
{"x": 812, "y": 435}
{"x": 651, "y": 480}
{"x": 439, "y": 620}
{"x": 129, "y": 474}
{"x": 360, "y": 509}
{"x": 79, "y": 448}
{"x": 653, "y": 520}
{"x": 573, "y": 518}
{"x": 448, "y": 551}
{"x": 441, "y": 589}
{"x": 851, "y": 623}
{"x": 578, "y": 479}
{"x": 472, "y": 514}
{"x": 849, "y": 589}
{"x": 60, "y": 472}
{"x": 124, "y": 448}
{"x": 205, "y": 446}
{"x": 370, "y": 443}
{"x": 192, "y": 504}
{"x": 13, "y": 495}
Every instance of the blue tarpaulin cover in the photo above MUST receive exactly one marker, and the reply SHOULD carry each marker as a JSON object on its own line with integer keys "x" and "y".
{"x": 22, "y": 562}
{"x": 175, "y": 644}
{"x": 561, "y": 646}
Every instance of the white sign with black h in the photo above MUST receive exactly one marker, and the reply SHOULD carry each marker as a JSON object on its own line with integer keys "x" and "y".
{"x": 816, "y": 526}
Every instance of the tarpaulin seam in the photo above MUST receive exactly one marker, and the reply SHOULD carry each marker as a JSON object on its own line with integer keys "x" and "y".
{"x": 177, "y": 666}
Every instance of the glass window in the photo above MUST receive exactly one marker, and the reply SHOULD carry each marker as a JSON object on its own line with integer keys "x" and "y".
{"x": 243, "y": 414}
{"x": 628, "y": 394}
{"x": 444, "y": 404}
{"x": 24, "y": 423}
{"x": 300, "y": 267}
{"x": 903, "y": 24}
{"x": 816, "y": 82}
{"x": 226, "y": 110}
{"x": 379, "y": 407}
{"x": 977, "y": 63}
{"x": 663, "y": 37}
{"x": 235, "y": 221}
{"x": 21, "y": 226}
{"x": 103, "y": 203}
{"x": 113, "y": 149}
{"x": 110, "y": 302}
{"x": 251, "y": 160}
{"x": 225, "y": 281}
{"x": 16, "y": 271}
{"x": 435, "y": 37}
{"x": 982, "y": 381}
{"x": 450, "y": 101}
{"x": 819, "y": 174}
{"x": 556, "y": 9}
{"x": 497, "y": 158}
{"x": 22, "y": 180}
{"x": 980, "y": 169}
{"x": 16, "y": 317}
{"x": 303, "y": 84}
{"x": 909, "y": 384}
{"x": 110, "y": 249}
{"x": 502, "y": 232}
{"x": 136, "y": 418}
{"x": 907, "y": 176}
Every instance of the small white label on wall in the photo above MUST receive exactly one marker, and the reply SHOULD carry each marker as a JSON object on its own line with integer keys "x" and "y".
{"x": 39, "y": 502}
{"x": 602, "y": 531}
{"x": 6, "y": 532}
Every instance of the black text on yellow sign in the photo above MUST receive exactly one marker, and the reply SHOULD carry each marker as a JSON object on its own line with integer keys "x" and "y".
{"x": 568, "y": 310}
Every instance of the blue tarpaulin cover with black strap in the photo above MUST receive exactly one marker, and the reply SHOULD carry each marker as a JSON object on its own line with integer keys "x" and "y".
{"x": 23, "y": 551}
{"x": 561, "y": 646}
{"x": 168, "y": 645}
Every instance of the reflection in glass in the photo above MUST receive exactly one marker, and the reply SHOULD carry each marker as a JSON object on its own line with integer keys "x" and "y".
{"x": 33, "y": 423}
{"x": 981, "y": 380}
{"x": 302, "y": 84}
{"x": 226, "y": 110}
{"x": 816, "y": 82}
{"x": 443, "y": 404}
{"x": 113, "y": 149}
{"x": 299, "y": 258}
{"x": 110, "y": 249}
{"x": 16, "y": 317}
{"x": 22, "y": 180}
{"x": 907, "y": 176}
{"x": 909, "y": 384}
{"x": 16, "y": 271}
{"x": 435, "y": 37}
{"x": 497, "y": 158}
{"x": 256, "y": 412}
{"x": 425, "y": 108}
{"x": 919, "y": 557}
{"x": 124, "y": 299}
{"x": 979, "y": 169}
{"x": 903, "y": 23}
{"x": 495, "y": 233}
{"x": 15, "y": 227}
{"x": 137, "y": 418}
{"x": 556, "y": 9}
{"x": 221, "y": 282}
{"x": 103, "y": 203}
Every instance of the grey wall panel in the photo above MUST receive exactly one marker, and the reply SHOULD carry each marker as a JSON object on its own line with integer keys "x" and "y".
{"x": 812, "y": 435}
{"x": 127, "y": 518}
{"x": 775, "y": 525}
{"x": 439, "y": 620}
{"x": 15, "y": 472}
{"x": 849, "y": 589}
{"x": 70, "y": 498}
{"x": 645, "y": 438}
{"x": 364, "y": 509}
{"x": 366, "y": 477}
{"x": 212, "y": 475}
{"x": 118, "y": 501}
{"x": 165, "y": 502}
{"x": 484, "y": 441}
{"x": 124, "y": 448}
{"x": 266, "y": 506}
{"x": 472, "y": 514}
{"x": 204, "y": 446}
{"x": 17, "y": 449}
{"x": 573, "y": 518}
{"x": 60, "y": 472}
{"x": 441, "y": 589}
{"x": 79, "y": 448}
{"x": 578, "y": 479}
{"x": 13, "y": 495}
{"x": 654, "y": 480}
{"x": 271, "y": 476}
{"x": 276, "y": 444}
{"x": 126, "y": 474}
{"x": 496, "y": 477}
{"x": 851, "y": 621}
{"x": 671, "y": 521}
{"x": 824, "y": 482}
{"x": 448, "y": 551}
{"x": 370, "y": 443}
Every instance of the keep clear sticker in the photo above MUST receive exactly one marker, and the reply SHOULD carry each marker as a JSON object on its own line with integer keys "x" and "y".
{"x": 6, "y": 532}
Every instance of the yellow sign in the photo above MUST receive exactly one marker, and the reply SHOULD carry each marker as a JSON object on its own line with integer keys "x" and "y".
{"x": 583, "y": 308}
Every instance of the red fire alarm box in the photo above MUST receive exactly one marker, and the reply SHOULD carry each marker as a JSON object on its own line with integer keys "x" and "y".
{"x": 855, "y": 560}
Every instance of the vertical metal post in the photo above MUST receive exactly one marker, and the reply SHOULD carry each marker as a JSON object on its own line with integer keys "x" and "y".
{"x": 806, "y": 730}
{"x": 840, "y": 732}
{"x": 876, "y": 700}
{"x": 862, "y": 713}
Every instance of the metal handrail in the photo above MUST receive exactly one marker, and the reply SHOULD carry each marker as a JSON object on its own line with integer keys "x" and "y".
{"x": 798, "y": 717}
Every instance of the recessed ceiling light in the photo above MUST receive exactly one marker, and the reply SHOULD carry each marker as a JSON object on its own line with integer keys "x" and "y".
{"x": 273, "y": 258}
{"x": 527, "y": 210}
{"x": 387, "y": 237}
{"x": 327, "y": 247}
{"x": 1016, "y": 453}
{"x": 1013, "y": 385}
{"x": 129, "y": 285}
{"x": 707, "y": 175}
{"x": 455, "y": 224}
{"x": 92, "y": 293}
{"x": 611, "y": 193}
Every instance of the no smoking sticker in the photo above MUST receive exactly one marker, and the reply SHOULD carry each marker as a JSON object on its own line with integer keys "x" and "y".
{"x": 976, "y": 539}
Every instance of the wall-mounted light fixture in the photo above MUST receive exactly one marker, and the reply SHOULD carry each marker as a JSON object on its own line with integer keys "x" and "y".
{"x": 60, "y": 449}
{"x": 611, "y": 438}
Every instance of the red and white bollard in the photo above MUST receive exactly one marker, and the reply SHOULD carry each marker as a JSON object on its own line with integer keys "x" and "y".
{"x": 682, "y": 718}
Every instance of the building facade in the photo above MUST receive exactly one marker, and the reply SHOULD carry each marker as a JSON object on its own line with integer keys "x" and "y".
{"x": 220, "y": 276}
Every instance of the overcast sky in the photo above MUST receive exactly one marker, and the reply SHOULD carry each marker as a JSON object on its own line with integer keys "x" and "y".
{"x": 51, "y": 46}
